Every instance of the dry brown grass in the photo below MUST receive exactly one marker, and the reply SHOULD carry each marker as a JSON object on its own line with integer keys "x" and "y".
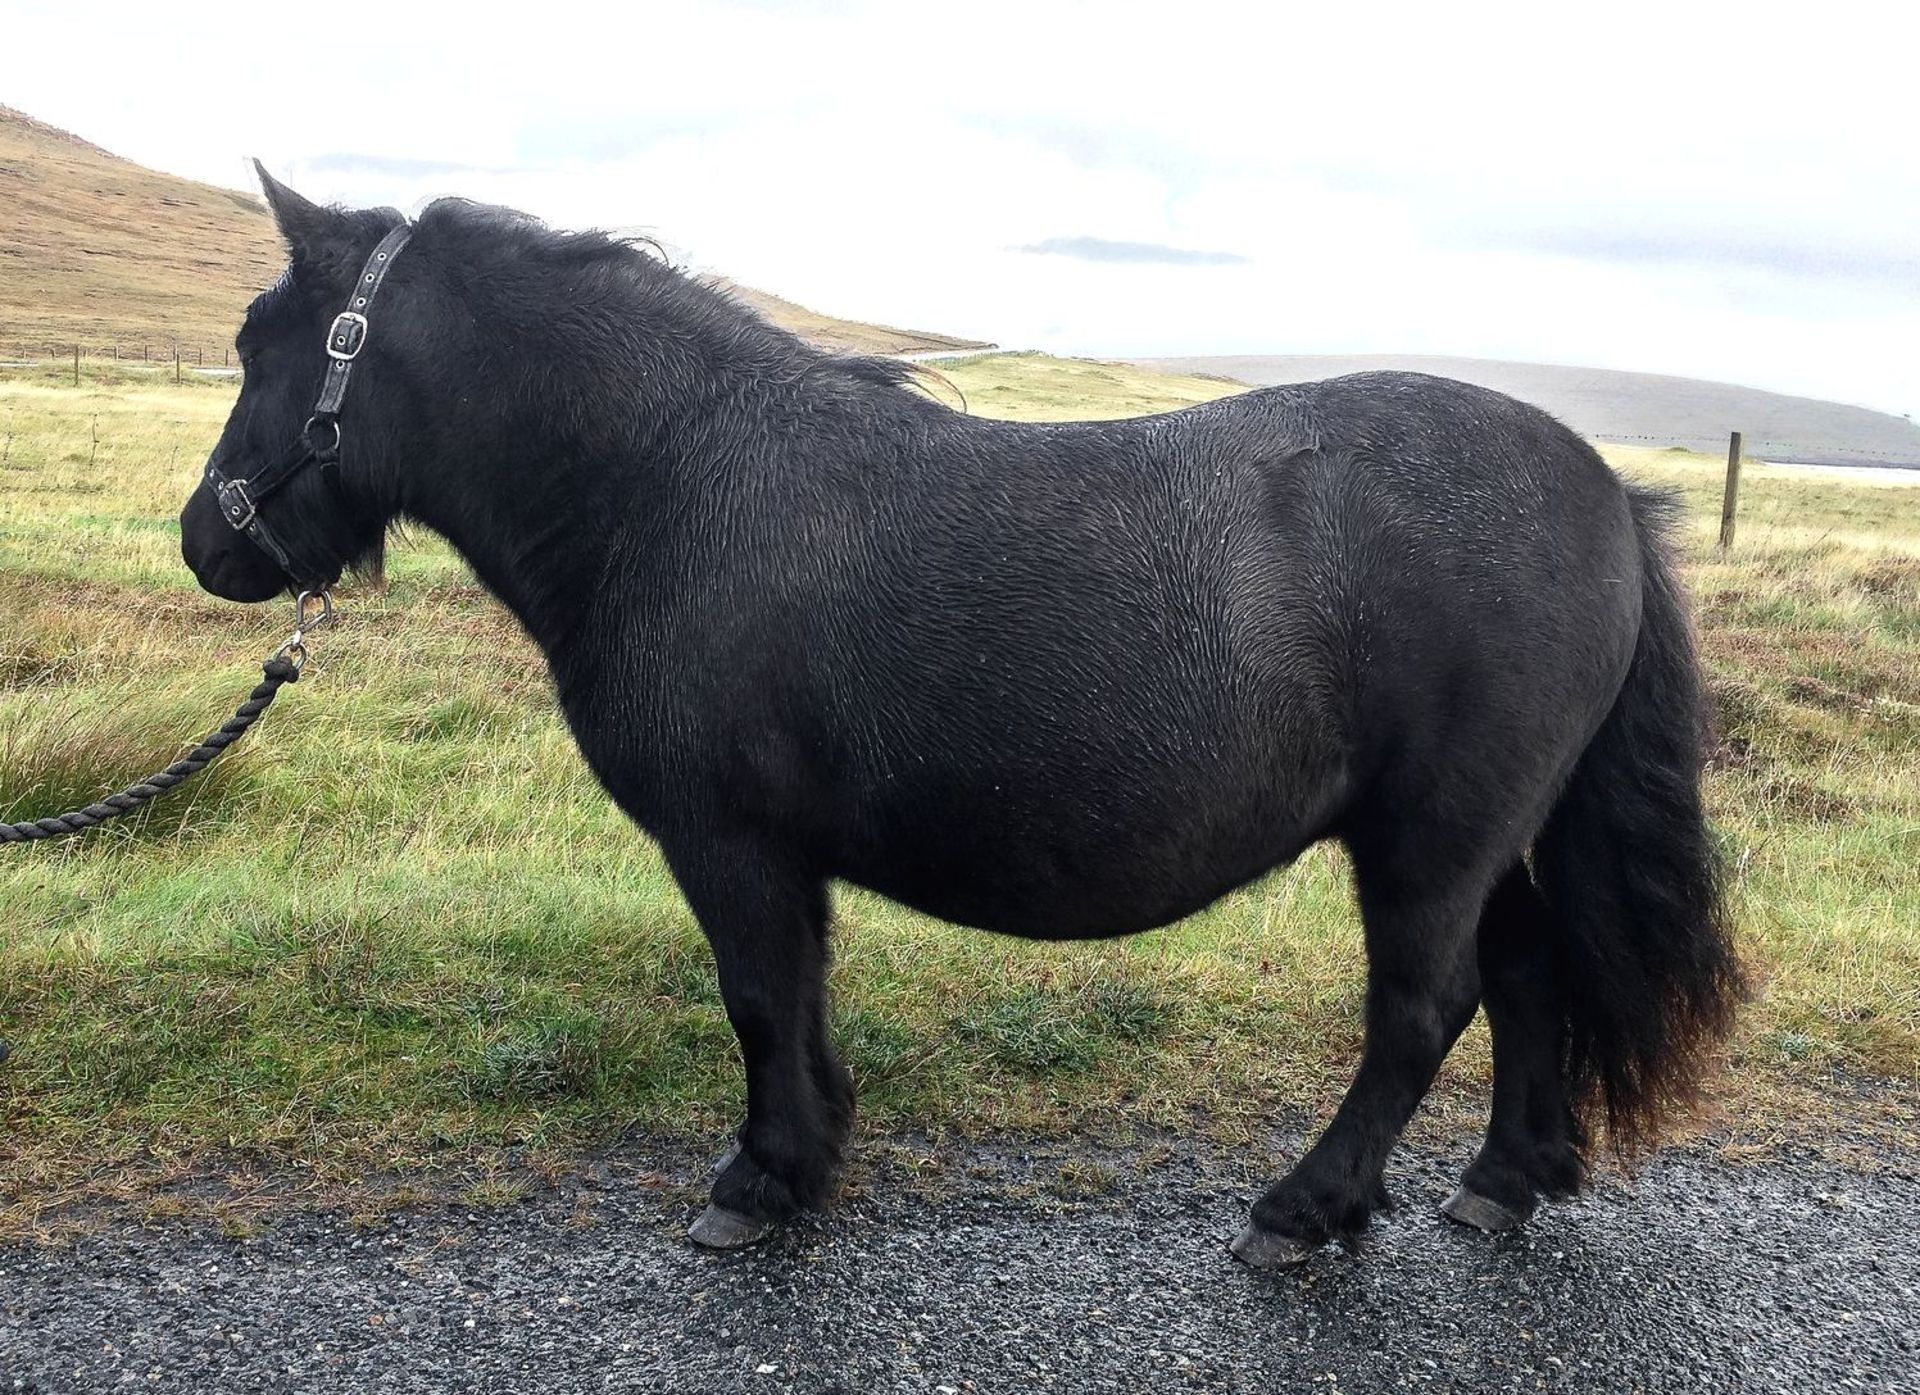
{"x": 100, "y": 250}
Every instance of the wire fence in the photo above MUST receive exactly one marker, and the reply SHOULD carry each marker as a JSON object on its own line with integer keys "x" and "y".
{"x": 191, "y": 354}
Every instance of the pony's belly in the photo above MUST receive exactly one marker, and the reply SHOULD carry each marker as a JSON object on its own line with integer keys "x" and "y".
{"x": 1036, "y": 887}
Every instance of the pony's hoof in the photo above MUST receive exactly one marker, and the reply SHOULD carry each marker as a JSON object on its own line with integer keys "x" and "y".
{"x": 719, "y": 1229}
{"x": 1264, "y": 1249}
{"x": 1471, "y": 1208}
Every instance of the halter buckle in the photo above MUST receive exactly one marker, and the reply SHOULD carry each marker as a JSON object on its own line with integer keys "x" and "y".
{"x": 236, "y": 505}
{"x": 347, "y": 336}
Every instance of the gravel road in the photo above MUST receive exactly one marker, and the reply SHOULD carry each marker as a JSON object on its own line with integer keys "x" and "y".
{"x": 987, "y": 1270}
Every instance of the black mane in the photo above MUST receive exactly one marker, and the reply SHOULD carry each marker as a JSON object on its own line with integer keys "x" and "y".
{"x": 517, "y": 254}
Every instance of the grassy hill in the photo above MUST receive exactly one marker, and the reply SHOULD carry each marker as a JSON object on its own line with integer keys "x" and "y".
{"x": 98, "y": 250}
{"x": 846, "y": 336}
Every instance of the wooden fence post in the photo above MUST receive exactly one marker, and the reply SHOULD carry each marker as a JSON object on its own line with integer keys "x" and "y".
{"x": 176, "y": 363}
{"x": 1732, "y": 495}
{"x": 76, "y": 365}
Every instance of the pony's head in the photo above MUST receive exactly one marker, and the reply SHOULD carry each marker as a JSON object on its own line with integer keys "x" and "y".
{"x": 332, "y": 512}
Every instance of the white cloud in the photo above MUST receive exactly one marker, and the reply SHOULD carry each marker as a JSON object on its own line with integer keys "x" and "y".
{"x": 1641, "y": 186}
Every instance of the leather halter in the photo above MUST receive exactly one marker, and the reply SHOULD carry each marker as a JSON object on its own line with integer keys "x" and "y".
{"x": 240, "y": 499}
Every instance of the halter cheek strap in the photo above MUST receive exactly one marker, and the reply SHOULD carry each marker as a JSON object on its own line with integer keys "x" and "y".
{"x": 347, "y": 335}
{"x": 319, "y": 440}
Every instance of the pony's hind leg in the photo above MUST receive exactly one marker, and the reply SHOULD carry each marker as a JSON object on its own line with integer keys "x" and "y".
{"x": 766, "y": 922}
{"x": 1534, "y": 1144}
{"x": 1422, "y": 989}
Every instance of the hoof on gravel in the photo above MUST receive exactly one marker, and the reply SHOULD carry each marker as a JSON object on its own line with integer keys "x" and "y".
{"x": 719, "y": 1229}
{"x": 725, "y": 1160}
{"x": 1263, "y": 1249}
{"x": 1470, "y": 1208}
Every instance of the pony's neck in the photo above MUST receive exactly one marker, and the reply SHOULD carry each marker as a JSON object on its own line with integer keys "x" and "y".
{"x": 531, "y": 540}
{"x": 583, "y": 455}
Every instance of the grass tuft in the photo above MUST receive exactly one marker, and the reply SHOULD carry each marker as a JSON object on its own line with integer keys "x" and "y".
{"x": 1034, "y": 1031}
{"x": 547, "y": 1059}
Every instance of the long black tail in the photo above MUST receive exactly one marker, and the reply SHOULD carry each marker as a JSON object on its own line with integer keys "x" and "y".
{"x": 1629, "y": 868}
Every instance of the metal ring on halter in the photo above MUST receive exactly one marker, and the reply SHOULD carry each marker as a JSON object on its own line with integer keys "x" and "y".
{"x": 307, "y": 432}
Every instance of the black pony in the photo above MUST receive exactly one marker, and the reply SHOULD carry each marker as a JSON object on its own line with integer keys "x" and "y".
{"x": 1057, "y": 681}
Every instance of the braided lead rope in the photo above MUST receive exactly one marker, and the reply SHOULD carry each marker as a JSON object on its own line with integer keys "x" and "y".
{"x": 311, "y": 610}
{"x": 281, "y": 669}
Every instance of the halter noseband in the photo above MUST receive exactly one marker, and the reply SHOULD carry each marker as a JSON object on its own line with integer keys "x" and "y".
{"x": 240, "y": 499}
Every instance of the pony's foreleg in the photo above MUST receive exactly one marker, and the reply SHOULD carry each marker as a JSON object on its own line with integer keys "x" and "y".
{"x": 766, "y": 920}
{"x": 1422, "y": 989}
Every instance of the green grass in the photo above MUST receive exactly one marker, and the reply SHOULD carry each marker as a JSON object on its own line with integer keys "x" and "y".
{"x": 400, "y": 928}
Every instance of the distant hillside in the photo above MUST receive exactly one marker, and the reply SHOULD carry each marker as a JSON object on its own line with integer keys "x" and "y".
{"x": 1644, "y": 408}
{"x": 98, "y": 249}
{"x": 848, "y": 336}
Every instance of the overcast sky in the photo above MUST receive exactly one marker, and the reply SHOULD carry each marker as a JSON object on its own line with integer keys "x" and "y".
{"x": 1723, "y": 191}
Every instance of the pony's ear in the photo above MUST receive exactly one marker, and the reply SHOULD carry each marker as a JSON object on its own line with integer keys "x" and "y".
{"x": 321, "y": 238}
